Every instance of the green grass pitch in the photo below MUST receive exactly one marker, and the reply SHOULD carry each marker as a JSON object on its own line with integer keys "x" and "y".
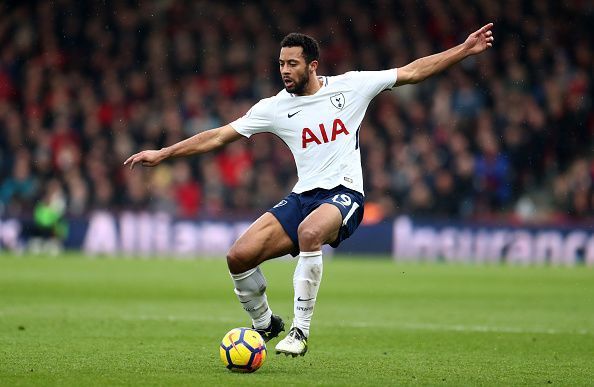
{"x": 72, "y": 321}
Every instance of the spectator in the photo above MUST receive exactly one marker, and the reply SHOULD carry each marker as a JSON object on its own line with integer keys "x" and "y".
{"x": 49, "y": 226}
{"x": 81, "y": 85}
{"x": 20, "y": 189}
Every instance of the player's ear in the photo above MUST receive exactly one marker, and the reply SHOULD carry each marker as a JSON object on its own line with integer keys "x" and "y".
{"x": 313, "y": 66}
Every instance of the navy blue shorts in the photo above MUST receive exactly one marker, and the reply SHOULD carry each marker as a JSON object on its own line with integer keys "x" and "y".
{"x": 291, "y": 211}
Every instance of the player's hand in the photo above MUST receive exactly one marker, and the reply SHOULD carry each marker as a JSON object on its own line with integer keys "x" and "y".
{"x": 147, "y": 158}
{"x": 480, "y": 40}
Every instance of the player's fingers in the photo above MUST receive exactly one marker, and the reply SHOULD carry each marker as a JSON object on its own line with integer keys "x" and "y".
{"x": 482, "y": 30}
{"x": 135, "y": 160}
{"x": 129, "y": 159}
{"x": 486, "y": 27}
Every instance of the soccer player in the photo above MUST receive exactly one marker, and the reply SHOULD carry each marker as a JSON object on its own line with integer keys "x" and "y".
{"x": 319, "y": 119}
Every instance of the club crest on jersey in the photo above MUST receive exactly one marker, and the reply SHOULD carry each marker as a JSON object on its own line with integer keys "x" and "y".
{"x": 338, "y": 100}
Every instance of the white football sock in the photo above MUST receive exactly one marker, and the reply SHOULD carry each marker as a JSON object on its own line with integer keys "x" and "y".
{"x": 250, "y": 288}
{"x": 306, "y": 282}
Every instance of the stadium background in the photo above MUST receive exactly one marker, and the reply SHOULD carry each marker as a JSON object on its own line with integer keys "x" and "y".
{"x": 490, "y": 161}
{"x": 504, "y": 137}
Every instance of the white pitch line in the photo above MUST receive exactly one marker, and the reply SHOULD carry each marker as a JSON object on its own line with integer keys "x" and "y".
{"x": 465, "y": 328}
{"x": 357, "y": 324}
{"x": 365, "y": 325}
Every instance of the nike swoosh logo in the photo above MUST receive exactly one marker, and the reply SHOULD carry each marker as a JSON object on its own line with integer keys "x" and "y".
{"x": 291, "y": 115}
{"x": 307, "y": 299}
{"x": 245, "y": 302}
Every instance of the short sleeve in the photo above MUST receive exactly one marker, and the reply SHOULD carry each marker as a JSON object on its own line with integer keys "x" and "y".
{"x": 371, "y": 83}
{"x": 257, "y": 120}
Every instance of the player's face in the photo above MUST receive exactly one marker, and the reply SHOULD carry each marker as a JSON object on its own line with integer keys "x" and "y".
{"x": 294, "y": 71}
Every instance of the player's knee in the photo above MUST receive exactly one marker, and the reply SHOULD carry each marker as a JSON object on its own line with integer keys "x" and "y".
{"x": 239, "y": 260}
{"x": 310, "y": 238}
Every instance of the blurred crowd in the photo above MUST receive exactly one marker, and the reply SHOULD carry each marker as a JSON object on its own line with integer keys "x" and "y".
{"x": 85, "y": 84}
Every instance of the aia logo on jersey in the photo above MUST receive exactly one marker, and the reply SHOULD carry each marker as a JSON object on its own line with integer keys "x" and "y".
{"x": 307, "y": 135}
{"x": 338, "y": 100}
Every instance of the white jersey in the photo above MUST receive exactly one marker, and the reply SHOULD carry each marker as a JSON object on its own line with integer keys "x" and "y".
{"x": 322, "y": 130}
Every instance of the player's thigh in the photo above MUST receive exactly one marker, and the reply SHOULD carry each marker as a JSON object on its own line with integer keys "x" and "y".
{"x": 321, "y": 226}
{"x": 263, "y": 240}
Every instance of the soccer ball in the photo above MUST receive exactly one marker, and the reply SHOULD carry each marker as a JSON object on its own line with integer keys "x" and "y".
{"x": 243, "y": 350}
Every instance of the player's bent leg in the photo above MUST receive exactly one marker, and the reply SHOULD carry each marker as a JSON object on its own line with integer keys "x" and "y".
{"x": 263, "y": 240}
{"x": 319, "y": 227}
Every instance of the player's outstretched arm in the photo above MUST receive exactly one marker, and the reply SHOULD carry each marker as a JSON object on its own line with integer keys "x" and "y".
{"x": 423, "y": 68}
{"x": 200, "y": 143}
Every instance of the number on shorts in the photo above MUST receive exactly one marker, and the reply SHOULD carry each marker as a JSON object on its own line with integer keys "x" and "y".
{"x": 342, "y": 199}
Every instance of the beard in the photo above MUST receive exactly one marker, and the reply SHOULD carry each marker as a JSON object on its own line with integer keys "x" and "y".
{"x": 298, "y": 85}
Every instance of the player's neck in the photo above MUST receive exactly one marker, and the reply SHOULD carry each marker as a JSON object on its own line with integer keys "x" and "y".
{"x": 312, "y": 86}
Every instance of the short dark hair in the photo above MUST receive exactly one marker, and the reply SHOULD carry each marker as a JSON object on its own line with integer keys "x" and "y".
{"x": 311, "y": 48}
